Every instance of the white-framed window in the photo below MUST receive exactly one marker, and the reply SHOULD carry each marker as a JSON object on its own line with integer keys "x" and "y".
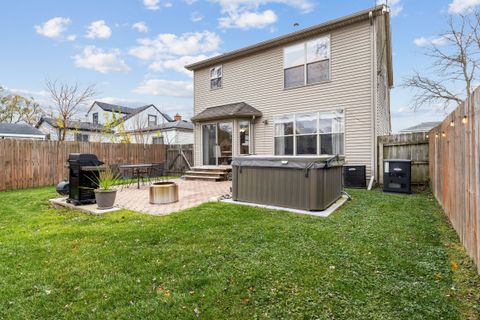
{"x": 244, "y": 126}
{"x": 216, "y": 74}
{"x": 95, "y": 118}
{"x": 314, "y": 133}
{"x": 307, "y": 62}
{"x": 152, "y": 120}
{"x": 80, "y": 137}
{"x": 157, "y": 140}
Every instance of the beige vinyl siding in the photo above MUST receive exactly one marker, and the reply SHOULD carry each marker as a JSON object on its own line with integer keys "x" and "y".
{"x": 383, "y": 92}
{"x": 258, "y": 81}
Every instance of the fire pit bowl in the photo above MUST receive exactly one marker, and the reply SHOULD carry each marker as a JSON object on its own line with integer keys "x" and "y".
{"x": 163, "y": 192}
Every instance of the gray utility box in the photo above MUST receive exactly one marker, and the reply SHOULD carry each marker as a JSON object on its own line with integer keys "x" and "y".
{"x": 306, "y": 183}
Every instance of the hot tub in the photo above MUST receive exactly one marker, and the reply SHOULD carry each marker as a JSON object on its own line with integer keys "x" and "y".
{"x": 306, "y": 183}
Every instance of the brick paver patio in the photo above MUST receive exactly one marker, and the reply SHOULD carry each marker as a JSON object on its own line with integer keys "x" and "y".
{"x": 191, "y": 193}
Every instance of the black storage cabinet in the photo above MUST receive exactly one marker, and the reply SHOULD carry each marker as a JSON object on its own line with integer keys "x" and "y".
{"x": 397, "y": 176}
{"x": 306, "y": 183}
{"x": 83, "y": 173}
{"x": 355, "y": 176}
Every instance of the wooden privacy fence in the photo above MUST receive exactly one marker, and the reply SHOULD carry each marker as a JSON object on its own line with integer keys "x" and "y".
{"x": 411, "y": 146}
{"x": 455, "y": 171}
{"x": 29, "y": 163}
{"x": 179, "y": 158}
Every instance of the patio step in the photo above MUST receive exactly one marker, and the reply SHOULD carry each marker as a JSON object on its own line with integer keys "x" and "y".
{"x": 206, "y": 173}
{"x": 195, "y": 177}
{"x": 214, "y": 173}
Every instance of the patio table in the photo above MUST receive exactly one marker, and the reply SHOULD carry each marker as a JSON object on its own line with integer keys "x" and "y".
{"x": 136, "y": 170}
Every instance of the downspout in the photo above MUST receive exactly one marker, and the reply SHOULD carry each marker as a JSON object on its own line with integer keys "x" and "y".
{"x": 374, "y": 97}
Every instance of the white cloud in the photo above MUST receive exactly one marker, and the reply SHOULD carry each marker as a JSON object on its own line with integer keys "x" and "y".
{"x": 423, "y": 41}
{"x": 248, "y": 20}
{"x": 53, "y": 28}
{"x": 140, "y": 26}
{"x": 100, "y": 60}
{"x": 178, "y": 63}
{"x": 71, "y": 37}
{"x": 156, "y": 4}
{"x": 239, "y": 5}
{"x": 190, "y": 2}
{"x": 170, "y": 44}
{"x": 169, "y": 88}
{"x": 396, "y": 7}
{"x": 460, "y": 6}
{"x": 98, "y": 29}
{"x": 246, "y": 14}
{"x": 196, "y": 16}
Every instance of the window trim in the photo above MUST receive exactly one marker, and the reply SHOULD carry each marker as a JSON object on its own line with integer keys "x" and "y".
{"x": 305, "y": 63}
{"x": 294, "y": 135}
{"x": 159, "y": 138}
{"x": 95, "y": 115}
{"x": 221, "y": 77}
{"x": 153, "y": 116}
{"x": 249, "y": 137}
{"x": 82, "y": 135}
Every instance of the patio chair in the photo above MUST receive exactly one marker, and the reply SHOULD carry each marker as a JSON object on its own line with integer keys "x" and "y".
{"x": 127, "y": 177}
{"x": 157, "y": 170}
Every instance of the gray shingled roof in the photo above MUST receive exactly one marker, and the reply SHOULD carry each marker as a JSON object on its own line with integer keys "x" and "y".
{"x": 422, "y": 127}
{"x": 129, "y": 112}
{"x": 114, "y": 107}
{"x": 19, "y": 129}
{"x": 182, "y": 124}
{"x": 73, "y": 125}
{"x": 227, "y": 111}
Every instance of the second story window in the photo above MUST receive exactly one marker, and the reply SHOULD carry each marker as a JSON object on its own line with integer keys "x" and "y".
{"x": 216, "y": 77}
{"x": 307, "y": 62}
{"x": 95, "y": 118}
{"x": 152, "y": 120}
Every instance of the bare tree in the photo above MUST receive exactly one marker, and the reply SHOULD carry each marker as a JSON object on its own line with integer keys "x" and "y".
{"x": 67, "y": 99}
{"x": 454, "y": 68}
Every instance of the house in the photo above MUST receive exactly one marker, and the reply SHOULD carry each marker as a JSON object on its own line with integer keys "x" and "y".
{"x": 177, "y": 131}
{"x": 20, "y": 131}
{"x": 75, "y": 130}
{"x": 320, "y": 90}
{"x": 107, "y": 122}
{"x": 422, "y": 127}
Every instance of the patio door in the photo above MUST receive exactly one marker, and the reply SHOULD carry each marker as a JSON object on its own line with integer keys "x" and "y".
{"x": 217, "y": 143}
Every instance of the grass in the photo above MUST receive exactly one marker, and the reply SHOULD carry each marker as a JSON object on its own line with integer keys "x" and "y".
{"x": 381, "y": 256}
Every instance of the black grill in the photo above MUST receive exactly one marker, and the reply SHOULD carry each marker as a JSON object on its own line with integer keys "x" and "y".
{"x": 397, "y": 176}
{"x": 83, "y": 177}
{"x": 355, "y": 176}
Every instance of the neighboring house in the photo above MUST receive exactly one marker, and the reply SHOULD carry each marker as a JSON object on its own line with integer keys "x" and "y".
{"x": 176, "y": 132}
{"x": 422, "y": 127}
{"x": 76, "y": 130}
{"x": 20, "y": 131}
{"x": 321, "y": 90}
{"x": 107, "y": 122}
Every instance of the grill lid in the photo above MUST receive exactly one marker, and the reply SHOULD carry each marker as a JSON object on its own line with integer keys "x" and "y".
{"x": 83, "y": 159}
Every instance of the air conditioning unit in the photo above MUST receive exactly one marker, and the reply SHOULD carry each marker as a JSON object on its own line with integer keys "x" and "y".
{"x": 397, "y": 176}
{"x": 354, "y": 176}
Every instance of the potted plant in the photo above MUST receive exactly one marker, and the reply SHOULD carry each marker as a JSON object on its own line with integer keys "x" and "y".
{"x": 105, "y": 194}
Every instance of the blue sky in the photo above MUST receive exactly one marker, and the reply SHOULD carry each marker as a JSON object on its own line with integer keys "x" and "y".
{"x": 134, "y": 50}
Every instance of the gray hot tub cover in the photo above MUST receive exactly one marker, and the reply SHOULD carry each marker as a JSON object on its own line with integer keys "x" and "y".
{"x": 291, "y": 162}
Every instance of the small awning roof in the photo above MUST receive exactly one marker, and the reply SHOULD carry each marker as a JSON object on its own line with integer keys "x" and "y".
{"x": 227, "y": 111}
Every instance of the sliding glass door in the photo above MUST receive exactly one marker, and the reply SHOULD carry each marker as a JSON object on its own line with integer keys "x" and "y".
{"x": 217, "y": 143}
{"x": 209, "y": 134}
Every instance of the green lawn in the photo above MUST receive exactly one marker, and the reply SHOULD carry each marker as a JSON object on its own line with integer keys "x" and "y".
{"x": 381, "y": 256}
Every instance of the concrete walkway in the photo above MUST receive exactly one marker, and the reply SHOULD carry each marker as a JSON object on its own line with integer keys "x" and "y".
{"x": 191, "y": 193}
